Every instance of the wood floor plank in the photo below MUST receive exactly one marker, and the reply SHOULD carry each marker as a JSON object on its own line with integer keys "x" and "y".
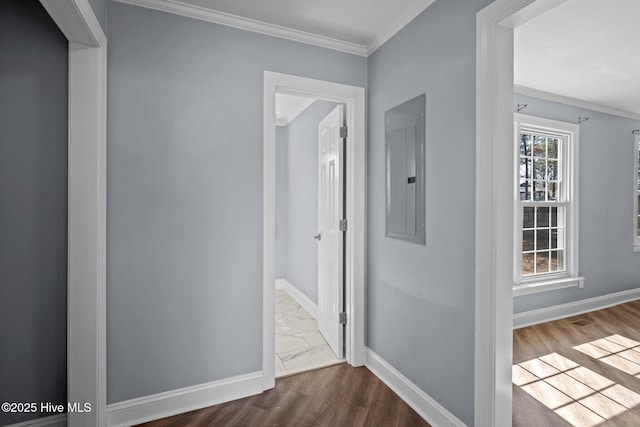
{"x": 337, "y": 396}
{"x": 596, "y": 370}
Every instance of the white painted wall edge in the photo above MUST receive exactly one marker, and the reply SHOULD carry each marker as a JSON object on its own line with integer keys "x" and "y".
{"x": 59, "y": 420}
{"x": 302, "y": 299}
{"x": 166, "y": 404}
{"x": 561, "y": 311}
{"x": 434, "y": 413}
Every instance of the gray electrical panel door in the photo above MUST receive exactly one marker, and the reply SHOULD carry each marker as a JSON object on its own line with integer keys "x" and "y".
{"x": 405, "y": 141}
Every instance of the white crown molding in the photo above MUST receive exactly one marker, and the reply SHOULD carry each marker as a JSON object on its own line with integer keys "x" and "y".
{"x": 430, "y": 410}
{"x": 204, "y": 14}
{"x": 547, "y": 96}
{"x": 59, "y": 420}
{"x": 166, "y": 404}
{"x": 407, "y": 17}
{"x": 548, "y": 314}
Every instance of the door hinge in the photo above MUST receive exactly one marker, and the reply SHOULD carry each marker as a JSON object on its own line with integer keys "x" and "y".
{"x": 343, "y": 318}
{"x": 343, "y": 131}
{"x": 343, "y": 225}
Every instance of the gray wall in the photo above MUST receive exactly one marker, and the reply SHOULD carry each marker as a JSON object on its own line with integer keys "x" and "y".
{"x": 420, "y": 299}
{"x": 300, "y": 187}
{"x": 33, "y": 207}
{"x": 100, "y": 9}
{"x": 606, "y": 179}
{"x": 184, "y": 180}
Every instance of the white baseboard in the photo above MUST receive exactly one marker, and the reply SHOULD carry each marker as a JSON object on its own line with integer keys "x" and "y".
{"x": 302, "y": 299}
{"x": 161, "y": 405}
{"x": 434, "y": 413}
{"x": 534, "y": 317}
{"x": 59, "y": 420}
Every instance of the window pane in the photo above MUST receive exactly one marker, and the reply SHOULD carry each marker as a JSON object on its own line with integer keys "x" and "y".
{"x": 542, "y": 239}
{"x": 552, "y": 192}
{"x": 528, "y": 243}
{"x": 527, "y": 264}
{"x": 540, "y": 168}
{"x": 542, "y": 262}
{"x": 554, "y": 217}
{"x": 539, "y": 146}
{"x": 552, "y": 148}
{"x": 525, "y": 144}
{"x": 525, "y": 168}
{"x": 540, "y": 191}
{"x": 557, "y": 260}
{"x": 554, "y": 238}
{"x": 526, "y": 190}
{"x": 527, "y": 217}
{"x": 542, "y": 217}
{"x": 552, "y": 170}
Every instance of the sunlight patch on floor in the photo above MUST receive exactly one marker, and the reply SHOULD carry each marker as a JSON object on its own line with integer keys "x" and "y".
{"x": 579, "y": 395}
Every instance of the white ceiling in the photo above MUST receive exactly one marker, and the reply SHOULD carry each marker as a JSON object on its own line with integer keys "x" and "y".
{"x": 354, "y": 26}
{"x": 583, "y": 49}
{"x": 289, "y": 106}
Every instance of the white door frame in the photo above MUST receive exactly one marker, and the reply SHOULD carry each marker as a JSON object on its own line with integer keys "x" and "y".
{"x": 494, "y": 205}
{"x": 354, "y": 99}
{"x": 86, "y": 268}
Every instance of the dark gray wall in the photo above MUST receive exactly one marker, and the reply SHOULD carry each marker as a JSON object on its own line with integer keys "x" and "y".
{"x": 606, "y": 180}
{"x": 420, "y": 299}
{"x": 184, "y": 180}
{"x": 300, "y": 187}
{"x": 33, "y": 207}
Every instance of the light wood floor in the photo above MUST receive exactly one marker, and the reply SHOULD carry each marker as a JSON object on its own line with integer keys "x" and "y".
{"x": 580, "y": 371}
{"x": 340, "y": 395}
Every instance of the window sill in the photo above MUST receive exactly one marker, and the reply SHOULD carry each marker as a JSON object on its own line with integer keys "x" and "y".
{"x": 636, "y": 247}
{"x": 547, "y": 285}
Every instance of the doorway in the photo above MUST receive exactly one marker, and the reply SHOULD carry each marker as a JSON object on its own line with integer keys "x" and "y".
{"x": 353, "y": 99}
{"x": 306, "y": 338}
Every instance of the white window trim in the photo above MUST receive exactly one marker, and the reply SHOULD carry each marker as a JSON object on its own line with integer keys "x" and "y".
{"x": 569, "y": 170}
{"x": 636, "y": 192}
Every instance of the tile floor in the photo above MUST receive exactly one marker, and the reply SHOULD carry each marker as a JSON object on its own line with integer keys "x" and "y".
{"x": 299, "y": 344}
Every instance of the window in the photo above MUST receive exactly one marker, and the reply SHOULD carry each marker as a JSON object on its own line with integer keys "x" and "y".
{"x": 546, "y": 206}
{"x": 636, "y": 196}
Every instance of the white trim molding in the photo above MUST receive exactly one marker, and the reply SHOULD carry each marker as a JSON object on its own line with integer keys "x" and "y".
{"x": 59, "y": 420}
{"x": 547, "y": 285}
{"x": 354, "y": 99}
{"x": 306, "y": 303}
{"x": 561, "y": 311}
{"x": 230, "y": 20}
{"x": 247, "y": 24}
{"x": 87, "y": 206}
{"x": 162, "y": 405}
{"x": 430, "y": 410}
{"x": 547, "y": 96}
{"x": 636, "y": 190}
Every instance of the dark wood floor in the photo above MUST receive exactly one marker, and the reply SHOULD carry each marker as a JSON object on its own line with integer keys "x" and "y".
{"x": 570, "y": 357}
{"x": 340, "y": 395}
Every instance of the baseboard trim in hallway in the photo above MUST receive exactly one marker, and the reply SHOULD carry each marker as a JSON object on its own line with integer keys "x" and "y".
{"x": 52, "y": 421}
{"x": 434, "y": 413}
{"x": 161, "y": 405}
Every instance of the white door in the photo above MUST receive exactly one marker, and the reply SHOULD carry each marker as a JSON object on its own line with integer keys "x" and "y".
{"x": 330, "y": 238}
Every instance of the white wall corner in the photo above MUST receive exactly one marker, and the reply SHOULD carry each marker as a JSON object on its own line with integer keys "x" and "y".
{"x": 561, "y": 311}
{"x": 302, "y": 299}
{"x": 430, "y": 410}
{"x": 162, "y": 405}
{"x": 59, "y": 420}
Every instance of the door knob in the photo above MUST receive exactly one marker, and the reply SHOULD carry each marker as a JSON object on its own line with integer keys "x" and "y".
{"x": 318, "y": 237}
